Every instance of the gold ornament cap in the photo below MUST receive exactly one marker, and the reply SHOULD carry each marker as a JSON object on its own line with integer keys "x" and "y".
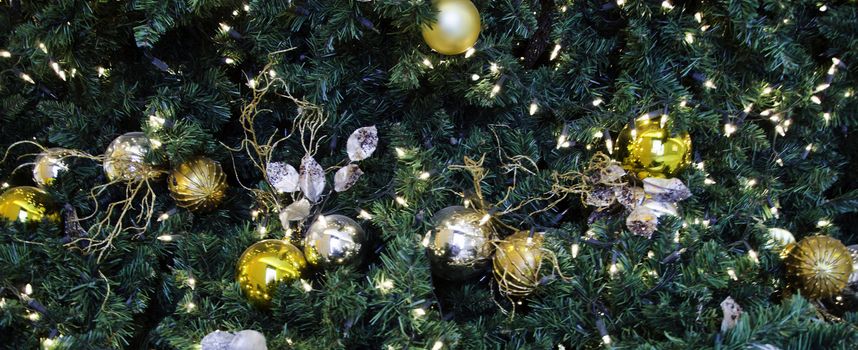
{"x": 48, "y": 165}
{"x": 819, "y": 266}
{"x": 198, "y": 184}
{"x": 334, "y": 240}
{"x": 124, "y": 158}
{"x": 27, "y": 204}
{"x": 265, "y": 264}
{"x": 649, "y": 150}
{"x": 457, "y": 27}
{"x": 516, "y": 263}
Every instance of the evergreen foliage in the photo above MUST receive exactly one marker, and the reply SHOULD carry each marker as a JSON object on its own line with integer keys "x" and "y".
{"x": 590, "y": 67}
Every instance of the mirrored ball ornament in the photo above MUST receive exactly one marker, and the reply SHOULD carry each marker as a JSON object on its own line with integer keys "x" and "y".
{"x": 457, "y": 27}
{"x": 334, "y": 240}
{"x": 516, "y": 263}
{"x": 819, "y": 266}
{"x": 650, "y": 150}
{"x": 459, "y": 246}
{"x": 48, "y": 165}
{"x": 198, "y": 184}
{"x": 124, "y": 158}
{"x": 27, "y": 204}
{"x": 265, "y": 264}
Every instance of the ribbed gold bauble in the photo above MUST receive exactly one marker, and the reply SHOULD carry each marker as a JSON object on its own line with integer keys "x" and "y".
{"x": 49, "y": 164}
{"x": 516, "y": 263}
{"x": 819, "y": 266}
{"x": 457, "y": 27}
{"x": 265, "y": 264}
{"x": 459, "y": 246}
{"x": 649, "y": 150}
{"x": 198, "y": 184}
{"x": 124, "y": 158}
{"x": 28, "y": 205}
{"x": 334, "y": 240}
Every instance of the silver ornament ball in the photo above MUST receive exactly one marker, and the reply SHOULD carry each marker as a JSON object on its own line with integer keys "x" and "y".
{"x": 459, "y": 245}
{"x": 334, "y": 240}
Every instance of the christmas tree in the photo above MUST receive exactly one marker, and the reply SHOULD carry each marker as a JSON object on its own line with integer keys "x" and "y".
{"x": 632, "y": 174}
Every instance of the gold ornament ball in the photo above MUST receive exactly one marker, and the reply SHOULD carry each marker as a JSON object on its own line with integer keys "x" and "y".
{"x": 516, "y": 263}
{"x": 819, "y": 266}
{"x": 48, "y": 165}
{"x": 334, "y": 240}
{"x": 456, "y": 29}
{"x": 459, "y": 247}
{"x": 124, "y": 158}
{"x": 27, "y": 204}
{"x": 198, "y": 184}
{"x": 265, "y": 264}
{"x": 649, "y": 150}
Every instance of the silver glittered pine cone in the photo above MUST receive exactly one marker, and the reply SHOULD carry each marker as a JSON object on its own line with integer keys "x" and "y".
{"x": 334, "y": 240}
{"x": 459, "y": 245}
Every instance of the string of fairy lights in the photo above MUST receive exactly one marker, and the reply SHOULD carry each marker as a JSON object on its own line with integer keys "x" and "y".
{"x": 385, "y": 285}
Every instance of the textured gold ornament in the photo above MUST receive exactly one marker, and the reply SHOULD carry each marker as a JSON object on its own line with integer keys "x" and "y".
{"x": 457, "y": 27}
{"x": 48, "y": 165}
{"x": 198, "y": 184}
{"x": 334, "y": 240}
{"x": 459, "y": 246}
{"x": 819, "y": 266}
{"x": 516, "y": 263}
{"x": 649, "y": 150}
{"x": 27, "y": 204}
{"x": 265, "y": 264}
{"x": 124, "y": 158}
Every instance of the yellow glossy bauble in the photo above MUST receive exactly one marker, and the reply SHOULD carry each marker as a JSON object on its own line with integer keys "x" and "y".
{"x": 198, "y": 184}
{"x": 649, "y": 150}
{"x": 457, "y": 27}
{"x": 27, "y": 204}
{"x": 124, "y": 158}
{"x": 459, "y": 246}
{"x": 516, "y": 263}
{"x": 265, "y": 264}
{"x": 334, "y": 240}
{"x": 48, "y": 166}
{"x": 819, "y": 266}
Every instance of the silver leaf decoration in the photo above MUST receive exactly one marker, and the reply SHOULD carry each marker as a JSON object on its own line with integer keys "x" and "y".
{"x": 282, "y": 176}
{"x": 666, "y": 190}
{"x": 629, "y": 196}
{"x": 661, "y": 208}
{"x": 642, "y": 221}
{"x": 362, "y": 143}
{"x": 346, "y": 177}
{"x": 298, "y": 210}
{"x": 243, "y": 340}
{"x": 731, "y": 311}
{"x": 600, "y": 197}
{"x": 311, "y": 178}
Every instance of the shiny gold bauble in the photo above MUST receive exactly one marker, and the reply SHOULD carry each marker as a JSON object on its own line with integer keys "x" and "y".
{"x": 334, "y": 240}
{"x": 819, "y": 266}
{"x": 516, "y": 263}
{"x": 457, "y": 27}
{"x": 48, "y": 165}
{"x": 27, "y": 204}
{"x": 459, "y": 246}
{"x": 124, "y": 158}
{"x": 649, "y": 150}
{"x": 198, "y": 184}
{"x": 265, "y": 264}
